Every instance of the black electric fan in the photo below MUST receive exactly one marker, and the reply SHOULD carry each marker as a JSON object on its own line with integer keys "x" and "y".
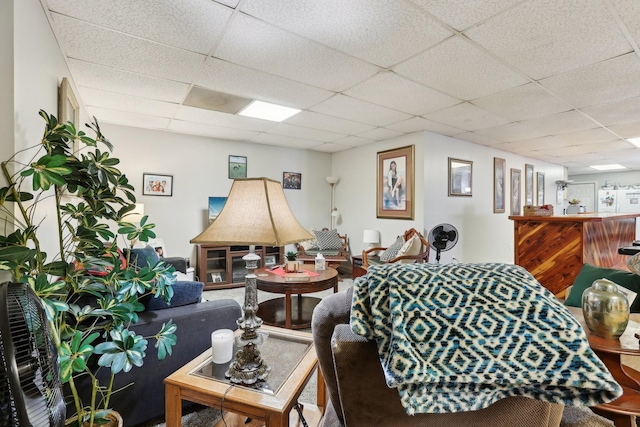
{"x": 442, "y": 237}
{"x": 30, "y": 388}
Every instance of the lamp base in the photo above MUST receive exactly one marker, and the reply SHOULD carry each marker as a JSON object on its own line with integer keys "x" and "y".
{"x": 248, "y": 366}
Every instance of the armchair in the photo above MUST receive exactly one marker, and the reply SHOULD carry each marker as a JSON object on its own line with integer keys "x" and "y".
{"x": 329, "y": 243}
{"x": 410, "y": 251}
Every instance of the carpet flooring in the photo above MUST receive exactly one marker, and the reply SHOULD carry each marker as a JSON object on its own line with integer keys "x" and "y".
{"x": 208, "y": 417}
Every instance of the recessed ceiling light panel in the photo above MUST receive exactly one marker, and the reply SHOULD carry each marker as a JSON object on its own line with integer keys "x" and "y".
{"x": 635, "y": 141}
{"x": 607, "y": 167}
{"x": 268, "y": 111}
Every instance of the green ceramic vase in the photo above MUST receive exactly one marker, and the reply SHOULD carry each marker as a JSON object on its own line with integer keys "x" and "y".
{"x": 605, "y": 309}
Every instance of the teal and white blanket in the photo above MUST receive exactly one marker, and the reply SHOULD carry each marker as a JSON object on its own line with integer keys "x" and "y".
{"x": 460, "y": 337}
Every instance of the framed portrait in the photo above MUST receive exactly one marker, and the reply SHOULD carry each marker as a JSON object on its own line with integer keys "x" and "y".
{"x": 460, "y": 177}
{"x": 395, "y": 183}
{"x": 68, "y": 108}
{"x": 516, "y": 202}
{"x": 499, "y": 167}
{"x": 291, "y": 180}
{"x": 215, "y": 207}
{"x": 237, "y": 167}
{"x": 528, "y": 185}
{"x": 154, "y": 184}
{"x": 540, "y": 188}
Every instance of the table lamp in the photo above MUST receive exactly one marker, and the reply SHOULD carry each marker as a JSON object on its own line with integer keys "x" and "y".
{"x": 256, "y": 213}
{"x": 372, "y": 237}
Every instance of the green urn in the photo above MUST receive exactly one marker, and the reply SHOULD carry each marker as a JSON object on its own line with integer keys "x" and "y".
{"x": 605, "y": 309}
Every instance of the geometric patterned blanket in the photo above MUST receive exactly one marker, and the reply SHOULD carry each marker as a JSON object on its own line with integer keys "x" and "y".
{"x": 459, "y": 337}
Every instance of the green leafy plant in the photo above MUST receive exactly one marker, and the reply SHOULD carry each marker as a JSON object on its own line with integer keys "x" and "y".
{"x": 291, "y": 255}
{"x": 90, "y": 292}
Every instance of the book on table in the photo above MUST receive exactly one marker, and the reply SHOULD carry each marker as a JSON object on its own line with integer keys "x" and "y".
{"x": 296, "y": 277}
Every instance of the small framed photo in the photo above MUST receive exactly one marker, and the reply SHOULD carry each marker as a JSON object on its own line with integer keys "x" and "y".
{"x": 499, "y": 166}
{"x": 269, "y": 260}
{"x": 394, "y": 185}
{"x": 540, "y": 188}
{"x": 528, "y": 185}
{"x": 292, "y": 180}
{"x": 237, "y": 167}
{"x": 215, "y": 207}
{"x": 460, "y": 177}
{"x": 215, "y": 277}
{"x": 155, "y": 184}
{"x": 516, "y": 179}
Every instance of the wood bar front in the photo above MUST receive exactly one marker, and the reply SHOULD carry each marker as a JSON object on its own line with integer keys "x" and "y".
{"x": 553, "y": 248}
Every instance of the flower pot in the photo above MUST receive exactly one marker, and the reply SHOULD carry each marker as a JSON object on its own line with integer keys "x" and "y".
{"x": 291, "y": 266}
{"x": 115, "y": 420}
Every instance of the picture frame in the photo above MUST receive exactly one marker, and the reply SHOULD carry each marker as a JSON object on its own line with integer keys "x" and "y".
{"x": 156, "y": 184}
{"x": 540, "y": 188}
{"x": 460, "y": 177}
{"x": 395, "y": 183}
{"x": 499, "y": 168}
{"x": 215, "y": 207}
{"x": 528, "y": 184}
{"x": 516, "y": 202}
{"x": 68, "y": 108}
{"x": 237, "y": 167}
{"x": 291, "y": 180}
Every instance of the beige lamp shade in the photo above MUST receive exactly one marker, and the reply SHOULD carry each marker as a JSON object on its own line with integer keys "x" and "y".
{"x": 136, "y": 215}
{"x": 256, "y": 213}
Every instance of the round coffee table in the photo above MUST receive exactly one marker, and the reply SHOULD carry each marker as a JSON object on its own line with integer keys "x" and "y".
{"x": 288, "y": 311}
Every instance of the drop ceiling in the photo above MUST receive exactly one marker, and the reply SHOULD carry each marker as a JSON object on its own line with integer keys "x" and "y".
{"x": 555, "y": 80}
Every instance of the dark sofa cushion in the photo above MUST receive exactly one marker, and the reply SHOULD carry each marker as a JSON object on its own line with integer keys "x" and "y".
{"x": 589, "y": 273}
{"x": 184, "y": 293}
{"x": 143, "y": 257}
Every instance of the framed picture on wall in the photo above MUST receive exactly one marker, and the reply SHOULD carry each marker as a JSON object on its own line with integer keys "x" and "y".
{"x": 460, "y": 177}
{"x": 68, "y": 107}
{"x": 394, "y": 183}
{"x": 540, "y": 189}
{"x": 237, "y": 167}
{"x": 292, "y": 180}
{"x": 516, "y": 179}
{"x": 499, "y": 166}
{"x": 528, "y": 185}
{"x": 154, "y": 184}
{"x": 215, "y": 206}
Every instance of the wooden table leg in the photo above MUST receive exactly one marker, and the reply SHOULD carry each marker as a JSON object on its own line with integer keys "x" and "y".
{"x": 173, "y": 406}
{"x": 321, "y": 393}
{"x": 619, "y": 420}
{"x": 287, "y": 310}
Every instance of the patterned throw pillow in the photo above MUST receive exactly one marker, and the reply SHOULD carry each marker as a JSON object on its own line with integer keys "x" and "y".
{"x": 392, "y": 251}
{"x": 328, "y": 239}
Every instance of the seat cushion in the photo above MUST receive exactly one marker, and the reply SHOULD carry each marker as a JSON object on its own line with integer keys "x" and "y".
{"x": 184, "y": 293}
{"x": 590, "y": 273}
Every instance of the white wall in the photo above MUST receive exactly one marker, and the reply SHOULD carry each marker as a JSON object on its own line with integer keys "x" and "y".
{"x": 611, "y": 178}
{"x": 6, "y": 80}
{"x": 199, "y": 166}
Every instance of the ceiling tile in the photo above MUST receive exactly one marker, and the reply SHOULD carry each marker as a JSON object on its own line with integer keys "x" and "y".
{"x": 629, "y": 11}
{"x": 538, "y": 143}
{"x": 128, "y": 119}
{"x": 106, "y": 47}
{"x": 378, "y": 134}
{"x": 329, "y": 123}
{"x": 304, "y": 132}
{"x": 199, "y": 115}
{"x": 460, "y": 14}
{"x": 212, "y": 131}
{"x": 523, "y": 102}
{"x": 359, "y": 111}
{"x": 101, "y": 77}
{"x": 565, "y": 122}
{"x": 230, "y": 3}
{"x": 193, "y": 25}
{"x": 285, "y": 141}
{"x": 234, "y": 79}
{"x": 627, "y": 130}
{"x": 118, "y": 101}
{"x": 603, "y": 83}
{"x": 477, "y": 139}
{"x": 616, "y": 113}
{"x": 416, "y": 124}
{"x": 330, "y": 148}
{"x": 459, "y": 68}
{"x": 391, "y": 90}
{"x": 517, "y": 147}
{"x": 385, "y": 34}
{"x": 258, "y": 45}
{"x": 586, "y": 136}
{"x": 546, "y": 37}
{"x": 353, "y": 141}
{"x": 510, "y": 132}
{"x": 467, "y": 116}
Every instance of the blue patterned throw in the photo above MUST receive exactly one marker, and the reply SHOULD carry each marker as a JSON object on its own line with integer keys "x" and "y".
{"x": 460, "y": 337}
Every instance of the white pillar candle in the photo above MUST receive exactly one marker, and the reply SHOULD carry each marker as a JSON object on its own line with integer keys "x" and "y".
{"x": 222, "y": 345}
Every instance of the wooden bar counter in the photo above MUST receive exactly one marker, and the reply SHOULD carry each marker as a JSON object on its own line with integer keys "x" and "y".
{"x": 553, "y": 248}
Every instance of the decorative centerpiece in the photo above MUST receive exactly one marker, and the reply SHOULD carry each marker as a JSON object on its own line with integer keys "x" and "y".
{"x": 574, "y": 201}
{"x": 291, "y": 265}
{"x": 605, "y": 309}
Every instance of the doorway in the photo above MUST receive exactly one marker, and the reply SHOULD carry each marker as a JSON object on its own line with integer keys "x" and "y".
{"x": 585, "y": 192}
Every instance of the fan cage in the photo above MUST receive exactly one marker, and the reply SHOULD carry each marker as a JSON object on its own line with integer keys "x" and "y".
{"x": 29, "y": 373}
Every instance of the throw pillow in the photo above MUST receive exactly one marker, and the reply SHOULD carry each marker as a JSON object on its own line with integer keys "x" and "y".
{"x": 410, "y": 247}
{"x": 184, "y": 293}
{"x": 328, "y": 239}
{"x": 589, "y": 273}
{"x": 392, "y": 251}
{"x": 311, "y": 243}
{"x": 142, "y": 257}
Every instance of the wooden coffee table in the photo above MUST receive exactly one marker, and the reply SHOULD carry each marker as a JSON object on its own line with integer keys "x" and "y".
{"x": 292, "y": 359}
{"x": 292, "y": 312}
{"x": 624, "y": 410}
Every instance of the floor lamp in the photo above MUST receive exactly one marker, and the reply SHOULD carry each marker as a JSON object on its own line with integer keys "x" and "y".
{"x": 333, "y": 180}
{"x": 256, "y": 213}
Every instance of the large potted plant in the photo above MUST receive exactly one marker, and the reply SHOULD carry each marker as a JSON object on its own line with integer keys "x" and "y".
{"x": 90, "y": 291}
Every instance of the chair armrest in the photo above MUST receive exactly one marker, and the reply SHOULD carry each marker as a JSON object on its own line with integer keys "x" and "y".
{"x": 365, "y": 256}
{"x": 422, "y": 257}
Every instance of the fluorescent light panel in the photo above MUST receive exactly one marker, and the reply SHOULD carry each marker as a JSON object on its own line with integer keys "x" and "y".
{"x": 635, "y": 141}
{"x": 607, "y": 167}
{"x": 268, "y": 111}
